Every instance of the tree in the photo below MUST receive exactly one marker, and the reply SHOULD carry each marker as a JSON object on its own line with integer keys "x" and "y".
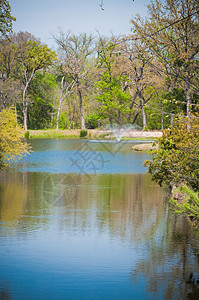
{"x": 176, "y": 161}
{"x": 112, "y": 99}
{"x": 6, "y": 18}
{"x": 111, "y": 85}
{"x": 9, "y": 88}
{"x": 31, "y": 56}
{"x": 142, "y": 74}
{"x": 76, "y": 55}
{"x": 172, "y": 35}
{"x": 67, "y": 84}
{"x": 12, "y": 144}
{"x": 42, "y": 98}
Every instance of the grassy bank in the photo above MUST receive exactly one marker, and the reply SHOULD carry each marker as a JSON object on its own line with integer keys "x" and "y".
{"x": 92, "y": 134}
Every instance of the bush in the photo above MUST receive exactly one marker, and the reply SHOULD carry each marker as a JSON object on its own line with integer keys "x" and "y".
{"x": 83, "y": 133}
{"x": 176, "y": 161}
{"x": 92, "y": 121}
{"x": 63, "y": 121}
{"x": 27, "y": 135}
{"x": 12, "y": 143}
{"x": 186, "y": 201}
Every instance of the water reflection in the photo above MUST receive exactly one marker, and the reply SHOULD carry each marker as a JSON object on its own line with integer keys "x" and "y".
{"x": 105, "y": 236}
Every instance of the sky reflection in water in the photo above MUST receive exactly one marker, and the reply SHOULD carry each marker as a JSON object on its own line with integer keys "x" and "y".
{"x": 97, "y": 235}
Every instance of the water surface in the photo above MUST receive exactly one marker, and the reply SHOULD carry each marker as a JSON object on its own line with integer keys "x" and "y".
{"x": 83, "y": 220}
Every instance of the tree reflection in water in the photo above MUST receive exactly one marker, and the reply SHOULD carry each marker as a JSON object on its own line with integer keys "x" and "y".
{"x": 128, "y": 208}
{"x": 170, "y": 261}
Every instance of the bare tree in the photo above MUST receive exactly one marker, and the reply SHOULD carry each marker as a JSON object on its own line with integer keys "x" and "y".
{"x": 75, "y": 52}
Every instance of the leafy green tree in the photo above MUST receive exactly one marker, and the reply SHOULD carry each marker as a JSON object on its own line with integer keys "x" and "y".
{"x": 6, "y": 18}
{"x": 9, "y": 87}
{"x": 112, "y": 99}
{"x": 12, "y": 144}
{"x": 31, "y": 56}
{"x": 111, "y": 85}
{"x": 176, "y": 161}
{"x": 42, "y": 97}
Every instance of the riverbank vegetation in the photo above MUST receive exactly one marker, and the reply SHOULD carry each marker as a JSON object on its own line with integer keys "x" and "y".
{"x": 12, "y": 144}
{"x": 176, "y": 164}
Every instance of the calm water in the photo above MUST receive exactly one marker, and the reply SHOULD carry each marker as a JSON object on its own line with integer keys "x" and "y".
{"x": 82, "y": 220}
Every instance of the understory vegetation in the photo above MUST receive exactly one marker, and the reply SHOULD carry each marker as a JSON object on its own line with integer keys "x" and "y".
{"x": 176, "y": 165}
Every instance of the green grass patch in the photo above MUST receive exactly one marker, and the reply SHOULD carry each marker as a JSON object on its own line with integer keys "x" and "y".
{"x": 52, "y": 135}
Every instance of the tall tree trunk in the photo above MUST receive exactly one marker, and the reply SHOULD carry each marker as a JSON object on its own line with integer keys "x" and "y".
{"x": 171, "y": 119}
{"x": 58, "y": 114}
{"x": 74, "y": 114}
{"x": 81, "y": 105}
{"x": 187, "y": 94}
{"x": 162, "y": 115}
{"x": 28, "y": 78}
{"x": 25, "y": 108}
{"x": 81, "y": 110}
{"x": 65, "y": 90}
{"x": 144, "y": 122}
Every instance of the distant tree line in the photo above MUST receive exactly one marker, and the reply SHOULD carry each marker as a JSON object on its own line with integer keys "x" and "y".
{"x": 148, "y": 78}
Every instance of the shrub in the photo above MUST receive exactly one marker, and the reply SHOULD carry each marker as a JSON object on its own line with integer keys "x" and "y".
{"x": 92, "y": 121}
{"x": 176, "y": 161}
{"x": 186, "y": 201}
{"x": 27, "y": 135}
{"x": 12, "y": 143}
{"x": 83, "y": 133}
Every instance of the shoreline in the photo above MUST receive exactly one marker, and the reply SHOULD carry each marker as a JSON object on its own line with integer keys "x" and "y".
{"x": 93, "y": 133}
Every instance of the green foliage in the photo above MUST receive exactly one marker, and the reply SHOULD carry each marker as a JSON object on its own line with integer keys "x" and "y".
{"x": 113, "y": 101}
{"x": 27, "y": 135}
{"x": 92, "y": 121}
{"x": 83, "y": 133}
{"x": 42, "y": 93}
{"x": 186, "y": 201}
{"x": 176, "y": 161}
{"x": 36, "y": 56}
{"x": 12, "y": 144}
{"x": 63, "y": 121}
{"x": 6, "y": 18}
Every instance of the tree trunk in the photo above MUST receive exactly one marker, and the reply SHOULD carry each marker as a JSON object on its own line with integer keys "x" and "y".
{"x": 144, "y": 123}
{"x": 58, "y": 114}
{"x": 2, "y": 102}
{"x": 143, "y": 118}
{"x": 188, "y": 104}
{"x": 74, "y": 115}
{"x": 25, "y": 108}
{"x": 25, "y": 102}
{"x": 65, "y": 90}
{"x": 81, "y": 106}
{"x": 162, "y": 116}
{"x": 171, "y": 119}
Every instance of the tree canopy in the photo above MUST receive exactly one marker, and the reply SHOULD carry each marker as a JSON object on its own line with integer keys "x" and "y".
{"x": 12, "y": 144}
{"x": 6, "y": 19}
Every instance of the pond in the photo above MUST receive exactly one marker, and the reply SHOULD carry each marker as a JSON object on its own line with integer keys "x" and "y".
{"x": 82, "y": 220}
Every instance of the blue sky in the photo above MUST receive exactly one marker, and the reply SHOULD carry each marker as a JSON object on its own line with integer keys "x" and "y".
{"x": 43, "y": 18}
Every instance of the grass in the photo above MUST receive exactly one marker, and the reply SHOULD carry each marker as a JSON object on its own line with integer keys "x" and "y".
{"x": 75, "y": 134}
